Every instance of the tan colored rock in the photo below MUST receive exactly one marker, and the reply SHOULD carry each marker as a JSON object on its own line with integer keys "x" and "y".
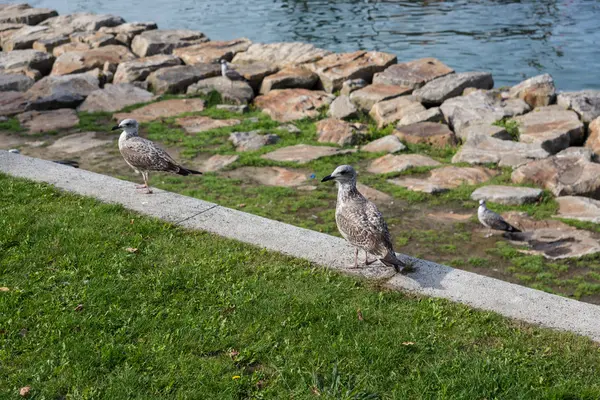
{"x": 198, "y": 124}
{"x": 48, "y": 45}
{"x": 388, "y": 144}
{"x": 391, "y": 163}
{"x": 579, "y": 208}
{"x": 162, "y": 109}
{"x": 31, "y": 59}
{"x": 508, "y": 195}
{"x": 83, "y": 21}
{"x": 593, "y": 140}
{"x": 29, "y": 16}
{"x": 140, "y": 68}
{"x": 212, "y": 52}
{"x": 94, "y": 39}
{"x": 47, "y": 121}
{"x": 287, "y": 105}
{"x": 281, "y": 55}
{"x": 218, "y": 162}
{"x": 113, "y": 98}
{"x": 493, "y": 131}
{"x": 238, "y": 92}
{"x": 78, "y": 142}
{"x": 431, "y": 133}
{"x": 254, "y": 73}
{"x": 12, "y": 103}
{"x": 391, "y": 111}
{"x": 413, "y": 74}
{"x": 8, "y": 29}
{"x": 163, "y": 41}
{"x": 446, "y": 178}
{"x": 334, "y": 69}
{"x": 342, "y": 108}
{"x": 374, "y": 195}
{"x": 177, "y": 79}
{"x": 24, "y": 37}
{"x": 270, "y": 176}
{"x": 68, "y": 47}
{"x": 303, "y": 153}
{"x": 434, "y": 114}
{"x": 364, "y": 99}
{"x": 81, "y": 61}
{"x": 125, "y": 33}
{"x": 337, "y": 131}
{"x": 289, "y": 78}
{"x": 251, "y": 141}
{"x": 538, "y": 91}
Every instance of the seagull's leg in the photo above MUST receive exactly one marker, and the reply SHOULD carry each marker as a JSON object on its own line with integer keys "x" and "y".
{"x": 489, "y": 234}
{"x": 146, "y": 178}
{"x": 367, "y": 262}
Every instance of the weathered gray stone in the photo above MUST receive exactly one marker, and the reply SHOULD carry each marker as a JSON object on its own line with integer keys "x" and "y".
{"x": 303, "y": 153}
{"x": 114, "y": 98}
{"x": 177, "y": 79}
{"x": 24, "y": 37}
{"x": 6, "y": 30}
{"x": 342, "y": 108}
{"x": 332, "y": 130}
{"x": 254, "y": 73}
{"x": 494, "y": 131}
{"x": 438, "y": 90}
{"x": 54, "y": 92}
{"x": 80, "y": 61}
{"x": 579, "y": 208}
{"x": 29, "y": 16}
{"x": 15, "y": 82}
{"x": 430, "y": 133}
{"x": 161, "y": 41}
{"x": 445, "y": 178}
{"x": 433, "y": 114}
{"x": 289, "y": 78}
{"x": 391, "y": 163}
{"x": 46, "y": 121}
{"x": 139, "y": 69}
{"x": 238, "y": 92}
{"x": 391, "y": 111}
{"x": 94, "y": 39}
{"x": 48, "y": 45}
{"x": 586, "y": 103}
{"x": 78, "y": 143}
{"x": 507, "y": 195}
{"x": 281, "y": 55}
{"x": 162, "y": 109}
{"x": 12, "y": 103}
{"x": 83, "y": 21}
{"x": 538, "y": 91}
{"x": 251, "y": 141}
{"x": 365, "y": 98}
{"x": 269, "y": 176}
{"x": 287, "y": 105}
{"x": 388, "y": 144}
{"x": 218, "y": 162}
{"x": 68, "y": 47}
{"x": 413, "y": 74}
{"x": 593, "y": 140}
{"x": 196, "y": 124}
{"x": 351, "y": 85}
{"x": 212, "y": 52}
{"x": 239, "y": 109}
{"x": 26, "y": 59}
{"x": 125, "y": 33}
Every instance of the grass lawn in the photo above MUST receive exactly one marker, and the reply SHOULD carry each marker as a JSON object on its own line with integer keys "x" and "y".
{"x": 105, "y": 304}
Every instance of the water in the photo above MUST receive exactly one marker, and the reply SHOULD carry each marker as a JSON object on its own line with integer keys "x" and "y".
{"x": 513, "y": 39}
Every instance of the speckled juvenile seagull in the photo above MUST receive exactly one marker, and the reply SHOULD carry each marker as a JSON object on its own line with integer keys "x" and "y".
{"x": 492, "y": 220}
{"x": 144, "y": 156}
{"x": 230, "y": 74}
{"x": 360, "y": 222}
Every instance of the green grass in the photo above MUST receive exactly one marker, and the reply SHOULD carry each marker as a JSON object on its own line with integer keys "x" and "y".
{"x": 11, "y": 125}
{"x": 191, "y": 315}
{"x": 511, "y": 126}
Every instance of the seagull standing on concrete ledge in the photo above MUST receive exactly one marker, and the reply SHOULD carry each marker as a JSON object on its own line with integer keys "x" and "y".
{"x": 230, "y": 74}
{"x": 492, "y": 220}
{"x": 144, "y": 156}
{"x": 360, "y": 222}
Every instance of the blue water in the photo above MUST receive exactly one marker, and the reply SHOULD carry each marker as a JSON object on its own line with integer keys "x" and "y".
{"x": 513, "y": 39}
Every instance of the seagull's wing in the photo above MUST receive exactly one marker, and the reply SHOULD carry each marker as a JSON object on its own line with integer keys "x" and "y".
{"x": 234, "y": 75}
{"x": 495, "y": 221}
{"x": 146, "y": 156}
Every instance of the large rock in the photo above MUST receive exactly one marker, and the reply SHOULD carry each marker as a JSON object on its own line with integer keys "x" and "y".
{"x": 218, "y": 162}
{"x": 48, "y": 45}
{"x": 538, "y": 91}
{"x": 212, "y": 52}
{"x": 54, "y": 92}
{"x": 579, "y": 208}
{"x": 254, "y": 73}
{"x": 593, "y": 140}
{"x": 351, "y": 85}
{"x": 388, "y": 144}
{"x": 251, "y": 141}
{"x": 12, "y": 103}
{"x": 281, "y": 54}
{"x": 114, "y": 98}
{"x": 161, "y": 41}
{"x": 47, "y": 121}
{"x": 162, "y": 109}
{"x": 81, "y": 61}
{"x": 413, "y": 74}
{"x": 26, "y": 59}
{"x": 78, "y": 143}
{"x": 94, "y": 39}
{"x": 564, "y": 174}
{"x": 289, "y": 78}
{"x": 446, "y": 178}
{"x": 431, "y": 133}
{"x": 15, "y": 82}
{"x": 337, "y": 131}
{"x": 391, "y": 111}
{"x": 391, "y": 163}
{"x": 140, "y": 68}
{"x": 177, "y": 79}
{"x": 238, "y": 92}
{"x": 25, "y": 37}
{"x": 292, "y": 104}
{"x": 367, "y": 97}
{"x": 494, "y": 131}
{"x": 507, "y": 195}
{"x": 196, "y": 124}
{"x": 586, "y": 103}
{"x": 484, "y": 149}
{"x": 303, "y": 153}
{"x": 29, "y": 16}
{"x": 434, "y": 114}
{"x": 334, "y": 69}
{"x": 269, "y": 176}
{"x": 7, "y": 29}
{"x": 552, "y": 127}
{"x": 83, "y": 21}
{"x": 342, "y": 108}
{"x": 68, "y": 47}
{"x": 438, "y": 90}
{"x": 125, "y": 33}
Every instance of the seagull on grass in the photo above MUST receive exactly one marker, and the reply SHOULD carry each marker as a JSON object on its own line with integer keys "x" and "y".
{"x": 230, "y": 74}
{"x": 360, "y": 222}
{"x": 144, "y": 156}
{"x": 492, "y": 220}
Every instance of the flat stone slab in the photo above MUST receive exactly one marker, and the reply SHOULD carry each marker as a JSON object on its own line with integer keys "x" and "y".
{"x": 238, "y": 109}
{"x": 12, "y": 103}
{"x": 32, "y": 59}
{"x": 94, "y": 39}
{"x": 351, "y": 85}
{"x": 24, "y": 37}
{"x": 83, "y": 21}
{"x": 124, "y": 33}
{"x": 196, "y": 124}
{"x": 507, "y": 195}
{"x": 593, "y": 140}
{"x": 15, "y": 82}
{"x": 29, "y": 16}
{"x": 586, "y": 103}
{"x": 140, "y": 68}
{"x": 289, "y": 78}
{"x": 445, "y": 178}
{"x": 438, "y": 90}
{"x": 251, "y": 141}
{"x": 579, "y": 208}
{"x": 430, "y": 133}
{"x": 164, "y": 41}
{"x": 484, "y": 129}
{"x": 287, "y": 105}
{"x": 303, "y": 153}
{"x": 413, "y": 74}
{"x": 47, "y": 121}
{"x": 78, "y": 142}
{"x": 342, "y": 108}
{"x": 374, "y": 195}
{"x": 387, "y": 144}
{"x": 54, "y": 92}
{"x": 391, "y": 111}
{"x": 212, "y": 52}
{"x": 552, "y": 127}
{"x": 270, "y": 176}
{"x": 177, "y": 79}
{"x": 49, "y": 44}
{"x": 218, "y": 162}
{"x": 68, "y": 47}
{"x": 162, "y": 109}
{"x": 255, "y": 73}
{"x": 114, "y": 98}
{"x": 283, "y": 54}
{"x": 340, "y": 132}
{"x": 430, "y": 115}
{"x": 538, "y": 91}
{"x": 364, "y": 99}
{"x": 391, "y": 163}
{"x": 80, "y": 61}
{"x": 238, "y": 92}
{"x": 335, "y": 69}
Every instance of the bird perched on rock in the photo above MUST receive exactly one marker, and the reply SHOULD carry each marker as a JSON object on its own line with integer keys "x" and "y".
{"x": 492, "y": 220}
{"x": 230, "y": 74}
{"x": 144, "y": 156}
{"x": 360, "y": 222}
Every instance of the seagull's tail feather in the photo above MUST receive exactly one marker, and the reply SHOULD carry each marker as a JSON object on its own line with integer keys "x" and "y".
{"x": 187, "y": 171}
{"x": 390, "y": 260}
{"x": 512, "y": 229}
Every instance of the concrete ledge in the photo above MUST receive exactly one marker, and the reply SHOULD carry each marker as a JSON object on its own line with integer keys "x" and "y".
{"x": 430, "y": 279}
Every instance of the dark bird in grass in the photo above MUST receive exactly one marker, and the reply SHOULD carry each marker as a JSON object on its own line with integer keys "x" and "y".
{"x": 144, "y": 156}
{"x": 492, "y": 220}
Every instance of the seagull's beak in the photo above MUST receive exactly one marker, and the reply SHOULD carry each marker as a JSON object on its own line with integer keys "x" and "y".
{"x": 114, "y": 128}
{"x": 327, "y": 178}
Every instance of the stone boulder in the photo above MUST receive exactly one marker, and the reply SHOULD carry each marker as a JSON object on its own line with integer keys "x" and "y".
{"x": 125, "y": 33}
{"x": 285, "y": 105}
{"x": 212, "y": 52}
{"x": 238, "y": 92}
{"x": 114, "y": 98}
{"x": 351, "y": 85}
{"x": 269, "y": 176}
{"x": 162, "y": 109}
{"x": 433, "y": 114}
{"x": 54, "y": 92}
{"x": 81, "y": 61}
{"x": 441, "y": 89}
{"x": 251, "y": 141}
{"x": 12, "y": 103}
{"x": 48, "y": 45}
{"x": 83, "y": 21}
{"x": 32, "y": 59}
{"x": 7, "y": 29}
{"x": 367, "y": 97}
{"x": 218, "y": 162}
{"x": 430, "y": 133}
{"x": 579, "y": 208}
{"x": 177, "y": 79}
{"x": 281, "y": 55}
{"x": 15, "y": 82}
{"x": 78, "y": 143}
{"x": 335, "y": 69}
{"x": 552, "y": 127}
{"x": 28, "y": 15}
{"x": 507, "y": 195}
{"x": 196, "y": 124}
{"x": 445, "y": 178}
{"x": 586, "y": 103}
{"x": 387, "y": 144}
{"x": 140, "y": 68}
{"x": 493, "y": 131}
{"x": 337, "y": 131}
{"x": 593, "y": 140}
{"x": 48, "y": 121}
{"x": 94, "y": 39}
{"x": 68, "y": 47}
{"x": 564, "y": 174}
{"x": 391, "y": 111}
{"x": 24, "y": 37}
{"x": 391, "y": 163}
{"x": 413, "y": 74}
{"x": 254, "y": 73}
{"x": 342, "y": 108}
{"x": 303, "y": 153}
{"x": 162, "y": 41}
{"x": 538, "y": 91}
{"x": 289, "y": 78}
{"x": 237, "y": 109}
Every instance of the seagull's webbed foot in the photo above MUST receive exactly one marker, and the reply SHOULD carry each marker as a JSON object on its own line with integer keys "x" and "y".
{"x": 144, "y": 186}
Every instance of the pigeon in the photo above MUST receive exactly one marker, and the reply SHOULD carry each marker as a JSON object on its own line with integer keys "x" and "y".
{"x": 492, "y": 220}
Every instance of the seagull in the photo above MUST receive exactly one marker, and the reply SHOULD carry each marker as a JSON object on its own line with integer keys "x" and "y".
{"x": 144, "y": 156}
{"x": 230, "y": 74}
{"x": 360, "y": 222}
{"x": 492, "y": 220}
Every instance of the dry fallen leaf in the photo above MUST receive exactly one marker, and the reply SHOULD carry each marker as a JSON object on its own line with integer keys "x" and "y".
{"x": 131, "y": 222}
{"x": 315, "y": 391}
{"x": 4, "y": 289}
{"x": 79, "y": 307}
{"x": 242, "y": 205}
{"x": 408, "y": 343}
{"x": 131, "y": 249}
{"x": 25, "y": 391}
{"x": 360, "y": 316}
